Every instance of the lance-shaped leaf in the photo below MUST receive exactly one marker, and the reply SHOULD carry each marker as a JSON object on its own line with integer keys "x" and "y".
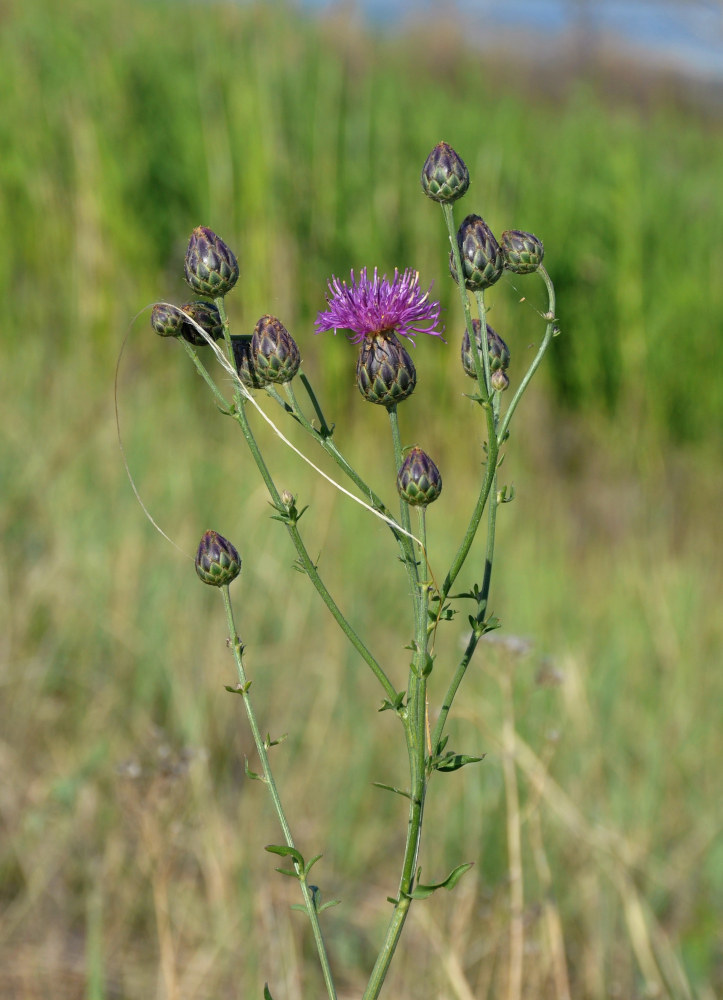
{"x": 453, "y": 761}
{"x": 284, "y": 851}
{"x": 252, "y": 774}
{"x": 391, "y": 788}
{"x": 239, "y": 689}
{"x": 422, "y": 891}
{"x": 394, "y": 705}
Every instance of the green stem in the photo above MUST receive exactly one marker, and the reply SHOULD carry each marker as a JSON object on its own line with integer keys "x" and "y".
{"x": 324, "y": 440}
{"x": 487, "y": 485}
{"x": 490, "y": 486}
{"x": 414, "y": 727}
{"x": 549, "y": 333}
{"x": 481, "y": 611}
{"x": 325, "y": 429}
{"x": 205, "y": 375}
{"x": 306, "y": 561}
{"x": 453, "y": 686}
{"x": 479, "y": 296}
{"x": 237, "y": 648}
{"x": 489, "y": 491}
{"x": 448, "y": 212}
{"x": 491, "y": 525}
{"x": 406, "y": 543}
{"x": 304, "y": 558}
{"x": 482, "y": 368}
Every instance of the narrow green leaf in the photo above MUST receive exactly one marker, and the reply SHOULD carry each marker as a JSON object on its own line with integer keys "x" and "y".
{"x": 394, "y": 705}
{"x": 267, "y": 995}
{"x": 427, "y": 665}
{"x": 391, "y": 788}
{"x": 284, "y": 851}
{"x": 291, "y": 872}
{"x": 239, "y": 688}
{"x": 298, "y": 906}
{"x": 311, "y": 863}
{"x": 453, "y": 761}
{"x": 424, "y": 891}
{"x": 252, "y": 774}
{"x": 331, "y": 902}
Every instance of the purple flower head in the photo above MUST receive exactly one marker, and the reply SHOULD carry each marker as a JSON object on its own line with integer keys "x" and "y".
{"x": 369, "y": 307}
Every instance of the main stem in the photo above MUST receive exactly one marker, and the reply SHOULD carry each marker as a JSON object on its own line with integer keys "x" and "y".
{"x": 237, "y": 648}
{"x": 414, "y": 719}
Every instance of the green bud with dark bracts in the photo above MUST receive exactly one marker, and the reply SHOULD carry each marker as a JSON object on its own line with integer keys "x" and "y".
{"x": 482, "y": 260}
{"x": 217, "y": 561}
{"x": 385, "y": 373}
{"x": 166, "y": 320}
{"x": 444, "y": 176}
{"x": 206, "y": 315}
{"x": 419, "y": 481}
{"x": 522, "y": 252}
{"x": 211, "y": 268}
{"x": 245, "y": 363}
{"x": 499, "y": 380}
{"x": 274, "y": 351}
{"x": 498, "y": 350}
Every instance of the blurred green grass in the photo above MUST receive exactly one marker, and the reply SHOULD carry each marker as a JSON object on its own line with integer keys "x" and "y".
{"x": 133, "y": 866}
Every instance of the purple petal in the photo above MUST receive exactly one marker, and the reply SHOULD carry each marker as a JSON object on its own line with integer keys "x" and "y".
{"x": 368, "y": 307}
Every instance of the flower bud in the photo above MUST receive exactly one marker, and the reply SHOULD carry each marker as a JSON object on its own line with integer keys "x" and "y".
{"x": 217, "y": 561}
{"x": 482, "y": 261}
{"x": 498, "y": 351}
{"x": 206, "y": 315}
{"x": 522, "y": 252}
{"x": 210, "y": 267}
{"x": 274, "y": 351}
{"x": 444, "y": 175}
{"x": 499, "y": 380}
{"x": 166, "y": 320}
{"x": 385, "y": 373}
{"x": 244, "y": 361}
{"x": 419, "y": 481}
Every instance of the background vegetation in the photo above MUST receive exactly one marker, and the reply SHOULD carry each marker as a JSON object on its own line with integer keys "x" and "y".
{"x": 131, "y": 861}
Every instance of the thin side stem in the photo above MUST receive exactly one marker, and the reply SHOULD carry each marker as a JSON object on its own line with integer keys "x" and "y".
{"x": 406, "y": 543}
{"x": 487, "y": 485}
{"x": 205, "y": 375}
{"x": 324, "y": 440}
{"x": 237, "y": 648}
{"x": 448, "y": 212}
{"x": 305, "y": 559}
{"x": 549, "y": 333}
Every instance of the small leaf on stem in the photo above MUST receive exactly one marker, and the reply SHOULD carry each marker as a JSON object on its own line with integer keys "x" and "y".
{"x": 391, "y": 788}
{"x": 424, "y": 891}
{"x": 284, "y": 851}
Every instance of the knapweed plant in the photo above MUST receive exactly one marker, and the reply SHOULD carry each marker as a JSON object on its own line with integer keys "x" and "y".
{"x": 381, "y": 314}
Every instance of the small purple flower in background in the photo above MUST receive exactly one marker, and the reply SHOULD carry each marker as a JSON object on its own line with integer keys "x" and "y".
{"x": 371, "y": 307}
